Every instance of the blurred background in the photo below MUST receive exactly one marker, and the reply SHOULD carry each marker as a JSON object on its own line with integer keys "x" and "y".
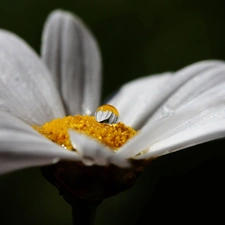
{"x": 136, "y": 38}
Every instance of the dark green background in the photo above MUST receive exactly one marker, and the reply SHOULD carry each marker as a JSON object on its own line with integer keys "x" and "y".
{"x": 136, "y": 38}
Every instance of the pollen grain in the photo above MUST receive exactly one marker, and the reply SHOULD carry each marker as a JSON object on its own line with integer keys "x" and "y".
{"x": 112, "y": 135}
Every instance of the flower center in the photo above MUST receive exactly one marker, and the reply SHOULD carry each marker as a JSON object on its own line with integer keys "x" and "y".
{"x": 112, "y": 135}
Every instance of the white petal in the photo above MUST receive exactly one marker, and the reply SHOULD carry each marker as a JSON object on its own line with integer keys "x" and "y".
{"x": 26, "y": 88}
{"x": 21, "y": 146}
{"x": 137, "y": 101}
{"x": 93, "y": 152}
{"x": 202, "y": 122}
{"x": 196, "y": 115}
{"x": 72, "y": 55}
{"x": 189, "y": 90}
{"x": 189, "y": 135}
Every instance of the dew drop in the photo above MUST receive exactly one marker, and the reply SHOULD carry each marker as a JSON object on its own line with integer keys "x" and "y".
{"x": 167, "y": 111}
{"x": 88, "y": 161}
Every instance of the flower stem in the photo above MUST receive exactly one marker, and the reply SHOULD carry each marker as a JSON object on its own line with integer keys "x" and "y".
{"x": 84, "y": 212}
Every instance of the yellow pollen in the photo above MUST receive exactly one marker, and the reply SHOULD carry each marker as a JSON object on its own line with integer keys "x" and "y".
{"x": 112, "y": 135}
{"x": 108, "y": 107}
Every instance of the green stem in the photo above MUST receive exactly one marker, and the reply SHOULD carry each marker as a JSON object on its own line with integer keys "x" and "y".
{"x": 84, "y": 212}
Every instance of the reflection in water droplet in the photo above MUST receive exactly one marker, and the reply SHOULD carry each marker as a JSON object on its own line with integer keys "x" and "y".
{"x": 167, "y": 111}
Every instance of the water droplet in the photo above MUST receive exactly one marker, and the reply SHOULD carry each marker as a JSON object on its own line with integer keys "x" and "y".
{"x": 107, "y": 114}
{"x": 167, "y": 111}
{"x": 88, "y": 161}
{"x": 86, "y": 109}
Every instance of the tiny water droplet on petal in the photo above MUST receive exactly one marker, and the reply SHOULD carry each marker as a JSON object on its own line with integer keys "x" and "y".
{"x": 88, "y": 161}
{"x": 167, "y": 111}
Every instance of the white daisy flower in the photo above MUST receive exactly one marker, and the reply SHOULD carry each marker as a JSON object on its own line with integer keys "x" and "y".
{"x": 160, "y": 113}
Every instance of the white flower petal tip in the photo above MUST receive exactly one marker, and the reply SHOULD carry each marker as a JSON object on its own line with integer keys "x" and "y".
{"x": 93, "y": 152}
{"x": 22, "y": 147}
{"x": 69, "y": 45}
